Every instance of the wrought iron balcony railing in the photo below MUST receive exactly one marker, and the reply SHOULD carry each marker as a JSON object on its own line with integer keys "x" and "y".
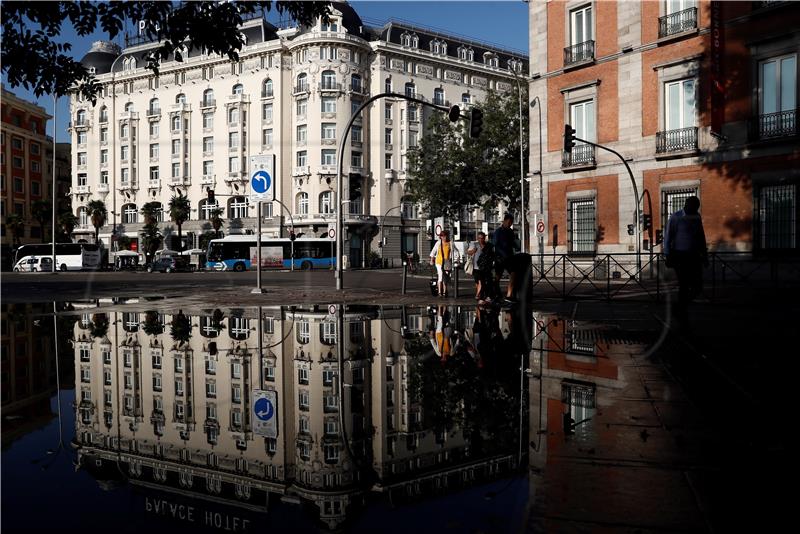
{"x": 581, "y": 155}
{"x": 677, "y": 22}
{"x": 267, "y": 94}
{"x": 676, "y": 140}
{"x": 330, "y": 85}
{"x": 579, "y": 53}
{"x": 774, "y": 125}
{"x": 301, "y": 88}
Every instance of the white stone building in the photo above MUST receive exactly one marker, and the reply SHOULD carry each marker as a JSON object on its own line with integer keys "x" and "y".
{"x": 194, "y": 127}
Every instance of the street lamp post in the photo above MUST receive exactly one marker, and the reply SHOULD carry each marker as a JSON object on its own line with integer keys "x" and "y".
{"x": 541, "y": 185}
{"x": 54, "y": 190}
{"x": 521, "y": 163}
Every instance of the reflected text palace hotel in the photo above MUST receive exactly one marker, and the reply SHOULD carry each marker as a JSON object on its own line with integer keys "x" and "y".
{"x": 700, "y": 97}
{"x": 196, "y": 124}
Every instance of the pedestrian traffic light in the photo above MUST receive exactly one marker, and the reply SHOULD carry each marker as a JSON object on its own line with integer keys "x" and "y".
{"x": 292, "y": 236}
{"x": 647, "y": 221}
{"x": 210, "y": 195}
{"x": 475, "y": 122}
{"x": 659, "y": 236}
{"x": 631, "y": 229}
{"x": 569, "y": 138}
{"x": 454, "y": 114}
{"x": 355, "y": 186}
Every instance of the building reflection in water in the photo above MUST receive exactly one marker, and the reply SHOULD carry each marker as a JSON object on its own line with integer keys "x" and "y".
{"x": 395, "y": 403}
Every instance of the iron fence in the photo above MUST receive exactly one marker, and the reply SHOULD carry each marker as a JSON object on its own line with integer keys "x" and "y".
{"x": 677, "y": 22}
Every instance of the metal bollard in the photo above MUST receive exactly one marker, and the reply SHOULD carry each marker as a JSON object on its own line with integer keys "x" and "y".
{"x": 405, "y": 273}
{"x": 455, "y": 279}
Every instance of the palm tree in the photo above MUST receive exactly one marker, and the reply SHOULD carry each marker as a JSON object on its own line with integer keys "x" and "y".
{"x": 68, "y": 221}
{"x": 151, "y": 236}
{"x": 216, "y": 221}
{"x": 16, "y": 225}
{"x": 41, "y": 210}
{"x": 98, "y": 213}
{"x": 179, "y": 209}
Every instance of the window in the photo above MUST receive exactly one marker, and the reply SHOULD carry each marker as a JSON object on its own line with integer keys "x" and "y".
{"x": 326, "y": 205}
{"x": 328, "y": 52}
{"x": 266, "y": 137}
{"x": 302, "y": 83}
{"x": 329, "y": 104}
{"x": 302, "y": 105}
{"x": 208, "y": 97}
{"x": 176, "y": 170}
{"x": 81, "y": 160}
{"x": 331, "y": 453}
{"x": 36, "y": 190}
{"x": 208, "y": 168}
{"x": 124, "y": 153}
{"x": 104, "y": 177}
{"x": 82, "y": 137}
{"x": 438, "y": 97}
{"x": 387, "y": 161}
{"x": 356, "y": 134}
{"x": 233, "y": 116}
{"x": 176, "y": 147}
{"x": 154, "y": 108}
{"x": 581, "y": 29}
{"x": 208, "y": 121}
{"x": 388, "y": 136}
{"x": 680, "y": 104}
{"x": 237, "y": 89}
{"x": 130, "y": 214}
{"x": 413, "y": 137}
{"x": 208, "y": 145}
{"x": 80, "y": 119}
{"x": 673, "y": 200}
{"x": 156, "y": 382}
{"x": 237, "y": 209}
{"x": 103, "y": 135}
{"x": 236, "y": 393}
{"x": 104, "y": 155}
{"x": 411, "y": 90}
{"x": 777, "y": 97}
{"x": 355, "y": 83}
{"x": 302, "y": 204}
{"x": 329, "y": 156}
{"x": 154, "y": 129}
{"x": 266, "y": 112}
{"x": 581, "y": 226}
{"x": 387, "y": 112}
{"x": 35, "y": 166}
{"x": 125, "y": 175}
{"x": 153, "y": 151}
{"x": 301, "y": 133}
{"x": 269, "y": 373}
{"x": 412, "y": 113}
{"x": 329, "y": 130}
{"x": 233, "y": 140}
{"x": 302, "y": 158}
{"x": 387, "y": 85}
{"x": 302, "y": 376}
{"x": 303, "y": 332}
{"x": 328, "y": 80}
{"x": 776, "y": 216}
{"x": 303, "y": 399}
{"x": 356, "y": 159}
{"x": 236, "y": 370}
{"x": 266, "y": 88}
{"x": 82, "y": 179}
{"x": 234, "y": 164}
{"x": 302, "y": 55}
{"x": 354, "y": 105}
{"x": 154, "y": 174}
{"x": 103, "y": 114}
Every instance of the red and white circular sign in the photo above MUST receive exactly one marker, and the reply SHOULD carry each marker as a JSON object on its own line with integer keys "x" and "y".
{"x": 331, "y": 233}
{"x": 438, "y": 230}
{"x": 540, "y": 227}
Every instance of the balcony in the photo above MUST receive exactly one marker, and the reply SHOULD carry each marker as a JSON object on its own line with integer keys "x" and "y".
{"x": 581, "y": 156}
{"x": 682, "y": 140}
{"x": 330, "y": 85}
{"x": 678, "y": 22}
{"x": 235, "y": 176}
{"x": 303, "y": 170}
{"x": 358, "y": 89}
{"x": 579, "y": 53}
{"x": 300, "y": 88}
{"x": 128, "y": 186}
{"x": 83, "y": 124}
{"x": 154, "y": 184}
{"x": 208, "y": 103}
{"x": 102, "y": 188}
{"x": 237, "y": 98}
{"x": 267, "y": 94}
{"x": 207, "y": 179}
{"x": 154, "y": 112}
{"x": 82, "y": 189}
{"x": 774, "y": 125}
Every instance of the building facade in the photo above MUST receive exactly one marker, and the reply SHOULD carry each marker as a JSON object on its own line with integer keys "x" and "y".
{"x": 698, "y": 97}
{"x": 24, "y": 179}
{"x": 194, "y": 127}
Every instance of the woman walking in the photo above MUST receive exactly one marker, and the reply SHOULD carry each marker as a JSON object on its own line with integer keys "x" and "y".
{"x": 442, "y": 257}
{"x": 481, "y": 253}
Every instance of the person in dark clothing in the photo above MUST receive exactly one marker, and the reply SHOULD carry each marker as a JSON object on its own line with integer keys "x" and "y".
{"x": 504, "y": 247}
{"x": 685, "y": 251}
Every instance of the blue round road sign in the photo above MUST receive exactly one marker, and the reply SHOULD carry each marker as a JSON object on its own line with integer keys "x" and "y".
{"x": 264, "y": 409}
{"x": 261, "y": 182}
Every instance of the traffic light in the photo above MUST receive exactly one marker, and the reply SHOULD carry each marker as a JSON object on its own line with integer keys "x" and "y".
{"x": 210, "y": 195}
{"x": 569, "y": 138}
{"x": 355, "y": 186}
{"x": 475, "y": 122}
{"x": 647, "y": 221}
{"x": 659, "y": 237}
{"x": 292, "y": 236}
{"x": 454, "y": 114}
{"x": 631, "y": 229}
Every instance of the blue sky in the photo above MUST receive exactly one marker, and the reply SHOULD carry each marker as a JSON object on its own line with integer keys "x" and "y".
{"x": 500, "y": 22}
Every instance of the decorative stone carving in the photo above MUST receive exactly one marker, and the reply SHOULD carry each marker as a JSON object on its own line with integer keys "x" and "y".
{"x": 480, "y": 81}
{"x": 194, "y": 74}
{"x": 425, "y": 70}
{"x": 344, "y": 69}
{"x": 140, "y": 85}
{"x": 398, "y": 64}
{"x": 252, "y": 64}
{"x": 452, "y": 76}
{"x": 503, "y": 86}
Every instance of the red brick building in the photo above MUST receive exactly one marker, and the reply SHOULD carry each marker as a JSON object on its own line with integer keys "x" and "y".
{"x": 640, "y": 77}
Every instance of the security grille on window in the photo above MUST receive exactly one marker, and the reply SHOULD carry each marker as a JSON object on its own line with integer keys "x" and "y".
{"x": 580, "y": 399}
{"x": 581, "y": 225}
{"x": 776, "y": 217}
{"x": 672, "y": 200}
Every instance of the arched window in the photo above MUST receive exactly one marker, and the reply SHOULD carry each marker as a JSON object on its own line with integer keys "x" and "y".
{"x": 302, "y": 82}
{"x": 233, "y": 116}
{"x": 266, "y": 89}
{"x": 411, "y": 90}
{"x": 387, "y": 85}
{"x": 180, "y": 99}
{"x": 155, "y": 107}
{"x": 237, "y": 208}
{"x": 301, "y": 204}
{"x": 326, "y": 204}
{"x": 438, "y": 96}
{"x": 103, "y": 114}
{"x": 206, "y": 208}
{"x": 237, "y": 89}
{"x": 83, "y": 217}
{"x": 444, "y": 48}
{"x": 238, "y": 328}
{"x": 129, "y": 107}
{"x": 355, "y": 83}
{"x": 158, "y": 212}
{"x": 328, "y": 79}
{"x": 303, "y": 332}
{"x": 435, "y": 46}
{"x": 176, "y": 123}
{"x": 130, "y": 215}
{"x": 208, "y": 97}
{"x": 80, "y": 118}
{"x": 414, "y": 41}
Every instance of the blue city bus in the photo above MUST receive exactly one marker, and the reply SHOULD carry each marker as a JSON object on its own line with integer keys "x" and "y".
{"x": 238, "y": 253}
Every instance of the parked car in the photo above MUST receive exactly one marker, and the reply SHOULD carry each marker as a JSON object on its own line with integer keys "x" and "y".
{"x": 169, "y": 264}
{"x": 33, "y": 264}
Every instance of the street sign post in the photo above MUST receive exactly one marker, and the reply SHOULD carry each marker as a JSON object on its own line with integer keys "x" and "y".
{"x": 262, "y": 189}
{"x": 265, "y": 413}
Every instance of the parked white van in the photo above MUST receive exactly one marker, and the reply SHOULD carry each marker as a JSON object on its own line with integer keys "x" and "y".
{"x": 33, "y": 264}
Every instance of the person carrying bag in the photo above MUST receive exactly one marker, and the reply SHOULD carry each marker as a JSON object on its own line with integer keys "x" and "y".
{"x": 442, "y": 257}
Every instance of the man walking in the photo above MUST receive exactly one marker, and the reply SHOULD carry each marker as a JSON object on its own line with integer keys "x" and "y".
{"x": 685, "y": 251}
{"x": 504, "y": 247}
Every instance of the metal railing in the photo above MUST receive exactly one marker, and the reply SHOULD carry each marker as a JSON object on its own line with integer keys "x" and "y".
{"x": 267, "y": 94}
{"x": 301, "y": 88}
{"x": 330, "y": 85}
{"x": 578, "y": 53}
{"x": 580, "y": 155}
{"x": 774, "y": 125}
{"x": 676, "y": 140}
{"x": 677, "y": 22}
{"x": 208, "y": 103}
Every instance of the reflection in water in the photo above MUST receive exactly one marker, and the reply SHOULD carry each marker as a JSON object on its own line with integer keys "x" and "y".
{"x": 392, "y": 402}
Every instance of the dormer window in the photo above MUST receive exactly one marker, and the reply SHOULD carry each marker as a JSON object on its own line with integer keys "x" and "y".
{"x": 515, "y": 65}
{"x": 435, "y": 46}
{"x": 490, "y": 60}
{"x": 331, "y": 26}
{"x": 409, "y": 39}
{"x": 470, "y": 54}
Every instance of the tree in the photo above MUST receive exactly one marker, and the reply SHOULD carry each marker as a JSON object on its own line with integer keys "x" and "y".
{"x": 32, "y": 57}
{"x": 181, "y": 328}
{"x": 152, "y": 323}
{"x": 123, "y": 242}
{"x": 16, "y": 225}
{"x": 214, "y": 217}
{"x": 68, "y": 221}
{"x": 151, "y": 235}
{"x": 99, "y": 327}
{"x": 41, "y": 210}
{"x": 449, "y": 171}
{"x": 98, "y": 214}
{"x": 179, "y": 209}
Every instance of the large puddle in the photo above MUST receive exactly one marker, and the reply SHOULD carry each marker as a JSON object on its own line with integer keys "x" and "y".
{"x": 121, "y": 418}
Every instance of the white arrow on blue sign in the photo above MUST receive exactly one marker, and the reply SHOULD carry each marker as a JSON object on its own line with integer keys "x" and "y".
{"x": 265, "y": 414}
{"x": 262, "y": 178}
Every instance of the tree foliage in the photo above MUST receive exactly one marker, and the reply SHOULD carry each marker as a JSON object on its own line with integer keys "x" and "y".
{"x": 151, "y": 235}
{"x": 179, "y": 210}
{"x": 33, "y": 57}
{"x": 68, "y": 221}
{"x": 16, "y": 225}
{"x": 450, "y": 171}
{"x": 41, "y": 211}
{"x": 98, "y": 215}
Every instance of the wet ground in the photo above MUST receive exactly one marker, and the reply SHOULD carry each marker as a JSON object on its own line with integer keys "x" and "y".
{"x": 139, "y": 414}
